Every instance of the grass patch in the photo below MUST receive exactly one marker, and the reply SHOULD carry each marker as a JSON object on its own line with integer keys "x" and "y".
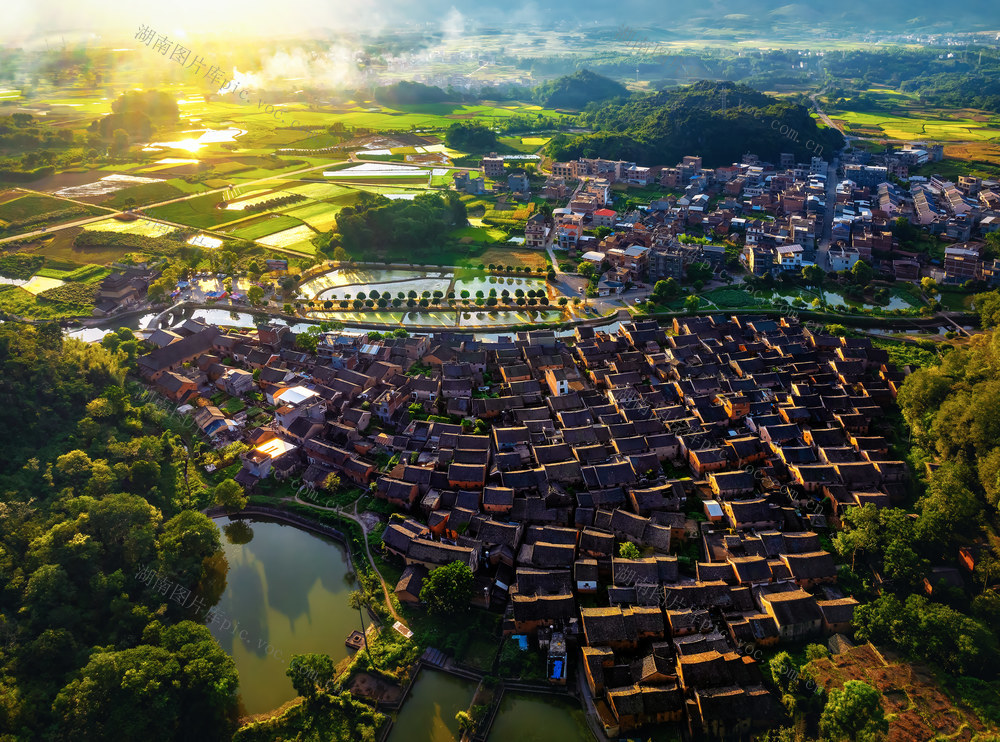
{"x": 85, "y": 273}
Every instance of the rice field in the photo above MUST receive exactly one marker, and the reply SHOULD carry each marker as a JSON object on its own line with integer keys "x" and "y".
{"x": 200, "y": 212}
{"x": 25, "y": 207}
{"x": 246, "y": 203}
{"x": 901, "y": 124}
{"x": 320, "y": 191}
{"x": 289, "y": 238}
{"x": 267, "y": 225}
{"x": 38, "y": 284}
{"x": 320, "y": 216}
{"x": 203, "y": 240}
{"x": 378, "y": 170}
{"x": 145, "y": 227}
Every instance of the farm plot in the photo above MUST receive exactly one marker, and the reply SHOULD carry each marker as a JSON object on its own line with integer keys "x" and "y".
{"x": 25, "y": 207}
{"x": 320, "y": 216}
{"x": 144, "y": 227}
{"x": 200, "y": 212}
{"x": 296, "y": 238}
{"x": 267, "y": 225}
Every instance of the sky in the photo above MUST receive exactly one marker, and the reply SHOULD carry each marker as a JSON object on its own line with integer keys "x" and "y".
{"x": 23, "y": 22}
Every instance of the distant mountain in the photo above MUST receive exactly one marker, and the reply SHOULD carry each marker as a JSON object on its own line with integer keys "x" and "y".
{"x": 578, "y": 90}
{"x": 720, "y": 121}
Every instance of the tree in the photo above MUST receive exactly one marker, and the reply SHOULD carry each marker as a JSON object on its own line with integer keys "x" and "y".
{"x": 699, "y": 272}
{"x": 331, "y": 483}
{"x": 75, "y": 466}
{"x": 188, "y": 539}
{"x": 692, "y": 303}
{"x": 447, "y": 589}
{"x": 357, "y": 601}
{"x": 255, "y": 295}
{"x": 813, "y": 275}
{"x": 340, "y": 255}
{"x": 665, "y": 290}
{"x": 854, "y": 713}
{"x": 862, "y": 273}
{"x": 120, "y": 141}
{"x": 311, "y": 674}
{"x": 988, "y": 308}
{"x": 179, "y": 677}
{"x": 929, "y": 285}
{"x": 230, "y": 495}
{"x": 628, "y": 550}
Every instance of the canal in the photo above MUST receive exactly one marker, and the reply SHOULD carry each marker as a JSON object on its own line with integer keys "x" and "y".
{"x": 288, "y": 589}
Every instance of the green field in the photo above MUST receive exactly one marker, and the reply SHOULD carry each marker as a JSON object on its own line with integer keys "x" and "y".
{"x": 140, "y": 195}
{"x": 909, "y": 123}
{"x": 265, "y": 226}
{"x": 16, "y": 301}
{"x": 85, "y": 273}
{"x": 144, "y": 227}
{"x": 196, "y": 212}
{"x": 29, "y": 206}
{"x": 322, "y": 216}
{"x": 479, "y": 234}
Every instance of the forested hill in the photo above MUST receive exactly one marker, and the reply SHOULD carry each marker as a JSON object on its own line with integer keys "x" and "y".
{"x": 720, "y": 121}
{"x": 93, "y": 508}
{"x": 578, "y": 90}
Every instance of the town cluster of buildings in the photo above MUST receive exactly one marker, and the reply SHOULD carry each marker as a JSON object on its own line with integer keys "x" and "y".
{"x": 770, "y": 419}
{"x": 562, "y": 450}
{"x": 775, "y": 212}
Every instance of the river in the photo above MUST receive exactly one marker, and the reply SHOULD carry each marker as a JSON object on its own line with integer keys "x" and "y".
{"x": 288, "y": 590}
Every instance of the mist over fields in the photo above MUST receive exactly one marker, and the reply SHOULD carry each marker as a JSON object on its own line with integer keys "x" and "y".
{"x": 27, "y": 21}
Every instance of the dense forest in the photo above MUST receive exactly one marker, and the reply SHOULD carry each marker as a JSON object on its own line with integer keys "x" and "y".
{"x": 471, "y": 136}
{"x": 578, "y": 90}
{"x": 950, "y": 409}
{"x": 375, "y": 223}
{"x": 138, "y": 113}
{"x": 95, "y": 517}
{"x": 719, "y": 121}
{"x": 405, "y": 92}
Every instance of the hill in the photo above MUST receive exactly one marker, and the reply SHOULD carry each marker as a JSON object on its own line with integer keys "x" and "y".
{"x": 578, "y": 90}
{"x": 720, "y": 121}
{"x": 405, "y": 92}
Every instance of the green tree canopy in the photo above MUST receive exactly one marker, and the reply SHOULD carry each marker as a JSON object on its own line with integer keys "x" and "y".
{"x": 447, "y": 589}
{"x": 230, "y": 495}
{"x": 854, "y": 713}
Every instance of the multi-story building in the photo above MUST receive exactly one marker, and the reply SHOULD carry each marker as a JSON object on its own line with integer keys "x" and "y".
{"x": 493, "y": 166}
{"x": 962, "y": 262}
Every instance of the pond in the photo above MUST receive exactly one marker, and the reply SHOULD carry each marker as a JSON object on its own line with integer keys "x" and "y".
{"x": 539, "y": 718}
{"x": 428, "y": 713}
{"x": 287, "y": 589}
